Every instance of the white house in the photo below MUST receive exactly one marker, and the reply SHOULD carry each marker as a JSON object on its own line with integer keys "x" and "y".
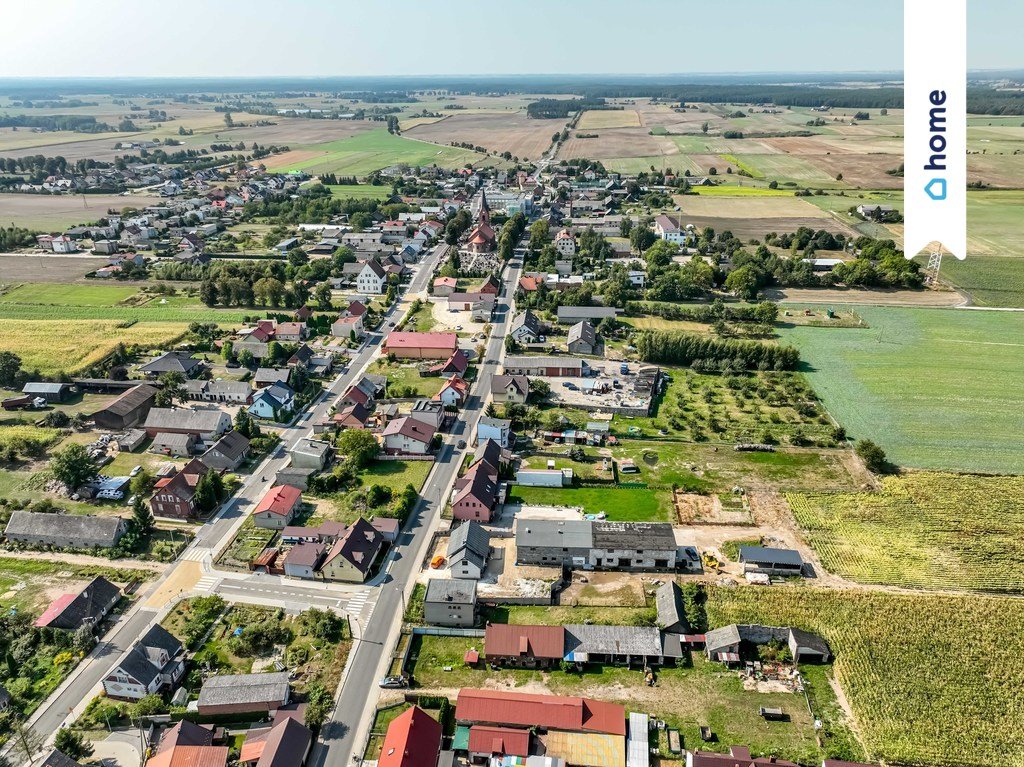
{"x": 498, "y": 429}
{"x": 407, "y": 435}
{"x": 64, "y": 244}
{"x": 343, "y": 327}
{"x": 155, "y": 662}
{"x": 669, "y": 230}
{"x": 565, "y": 243}
{"x": 371, "y": 278}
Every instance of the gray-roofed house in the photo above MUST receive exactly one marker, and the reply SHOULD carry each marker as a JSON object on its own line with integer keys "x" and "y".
{"x": 570, "y": 315}
{"x": 285, "y": 744}
{"x": 269, "y": 376}
{"x": 173, "y": 362}
{"x": 671, "y": 613}
{"x": 596, "y": 545}
{"x": 303, "y": 559}
{"x": 205, "y": 424}
{"x": 233, "y": 392}
{"x": 510, "y": 388}
{"x": 244, "y": 693}
{"x": 310, "y": 454}
{"x": 724, "y": 644}
{"x": 79, "y": 531}
{"x": 526, "y": 328}
{"x": 629, "y": 645}
{"x": 154, "y": 663}
{"x": 89, "y": 606}
{"x": 582, "y": 338}
{"x": 760, "y": 559}
{"x": 51, "y": 392}
{"x": 450, "y": 602}
{"x": 228, "y": 452}
{"x": 127, "y": 409}
{"x": 178, "y": 445}
{"x": 498, "y": 429}
{"x": 468, "y": 548}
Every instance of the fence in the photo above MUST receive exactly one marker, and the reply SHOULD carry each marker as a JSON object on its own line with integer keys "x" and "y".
{"x": 438, "y": 631}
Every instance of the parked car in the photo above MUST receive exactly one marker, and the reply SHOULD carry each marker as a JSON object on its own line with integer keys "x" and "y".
{"x": 134, "y": 472}
{"x": 393, "y": 682}
{"x": 461, "y": 444}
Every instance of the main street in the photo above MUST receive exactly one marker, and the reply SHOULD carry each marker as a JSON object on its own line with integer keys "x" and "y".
{"x": 342, "y": 737}
{"x": 195, "y": 563}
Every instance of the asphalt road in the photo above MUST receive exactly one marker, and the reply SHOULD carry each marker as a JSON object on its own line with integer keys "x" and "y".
{"x": 342, "y": 737}
{"x": 216, "y": 533}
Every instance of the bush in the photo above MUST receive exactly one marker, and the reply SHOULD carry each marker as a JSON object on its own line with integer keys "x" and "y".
{"x": 874, "y": 457}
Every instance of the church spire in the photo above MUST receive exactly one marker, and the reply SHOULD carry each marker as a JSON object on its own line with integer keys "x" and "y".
{"x": 485, "y": 209}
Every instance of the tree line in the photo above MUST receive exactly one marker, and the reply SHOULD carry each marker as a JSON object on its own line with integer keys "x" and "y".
{"x": 678, "y": 348}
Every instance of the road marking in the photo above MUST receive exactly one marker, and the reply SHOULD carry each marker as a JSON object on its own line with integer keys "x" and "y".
{"x": 207, "y": 583}
{"x": 195, "y": 555}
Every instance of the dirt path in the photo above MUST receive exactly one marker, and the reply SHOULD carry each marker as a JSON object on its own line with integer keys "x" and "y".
{"x": 85, "y": 559}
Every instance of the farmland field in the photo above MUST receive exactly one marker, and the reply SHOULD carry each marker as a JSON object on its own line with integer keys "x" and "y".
{"x": 55, "y": 212}
{"x": 53, "y": 346}
{"x": 936, "y": 388}
{"x": 922, "y": 530}
{"x": 933, "y": 680}
{"x": 360, "y": 191}
{"x": 497, "y": 132}
{"x": 608, "y": 118}
{"x": 96, "y": 294}
{"x": 362, "y": 154}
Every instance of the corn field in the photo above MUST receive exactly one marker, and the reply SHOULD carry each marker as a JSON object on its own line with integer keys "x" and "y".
{"x": 922, "y": 530}
{"x": 933, "y": 680}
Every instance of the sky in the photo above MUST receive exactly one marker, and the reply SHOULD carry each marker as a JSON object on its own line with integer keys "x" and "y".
{"x": 196, "y": 38}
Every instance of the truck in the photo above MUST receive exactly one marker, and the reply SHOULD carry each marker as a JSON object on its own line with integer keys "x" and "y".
{"x": 24, "y": 402}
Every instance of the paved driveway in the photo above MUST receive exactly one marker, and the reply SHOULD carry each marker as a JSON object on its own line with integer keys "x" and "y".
{"x": 120, "y": 749}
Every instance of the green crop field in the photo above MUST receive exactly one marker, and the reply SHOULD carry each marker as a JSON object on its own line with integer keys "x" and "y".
{"x": 922, "y": 530}
{"x": 731, "y": 190}
{"x": 360, "y": 191}
{"x": 933, "y": 680}
{"x": 782, "y": 168}
{"x": 68, "y": 295}
{"x": 362, "y": 154}
{"x": 677, "y": 162}
{"x": 936, "y": 388}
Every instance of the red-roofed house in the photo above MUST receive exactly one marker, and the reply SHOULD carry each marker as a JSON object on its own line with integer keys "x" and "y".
{"x": 529, "y": 284}
{"x": 407, "y": 435}
{"x": 524, "y": 646}
{"x": 355, "y": 309}
{"x": 344, "y": 327}
{"x": 475, "y": 493}
{"x": 454, "y": 392}
{"x": 738, "y": 756}
{"x": 491, "y": 286}
{"x": 175, "y": 496}
{"x": 553, "y": 712}
{"x": 191, "y": 756}
{"x": 457, "y": 363}
{"x": 413, "y": 740}
{"x": 445, "y": 286}
{"x": 277, "y": 507}
{"x": 485, "y": 742}
{"x": 411, "y": 345}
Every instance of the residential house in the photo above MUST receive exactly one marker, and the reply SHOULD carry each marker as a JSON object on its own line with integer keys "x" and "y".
{"x": 582, "y": 338}
{"x": 430, "y": 411}
{"x": 175, "y": 496}
{"x": 724, "y": 644}
{"x": 570, "y": 315}
{"x": 413, "y": 739}
{"x": 526, "y": 328}
{"x": 310, "y": 454}
{"x": 177, "y": 445}
{"x": 127, "y": 409}
{"x": 269, "y": 376}
{"x": 669, "y": 230}
{"x": 469, "y": 547}
{"x": 351, "y": 417}
{"x": 738, "y": 756}
{"x": 156, "y": 662}
{"x": 445, "y": 286}
{"x": 458, "y": 363}
{"x": 407, "y": 436}
{"x": 372, "y": 278}
{"x": 465, "y": 302}
{"x": 303, "y": 559}
{"x": 286, "y": 743}
{"x": 498, "y": 429}
{"x": 77, "y": 531}
{"x": 173, "y": 362}
{"x": 227, "y": 453}
{"x": 759, "y": 559}
{"x": 454, "y": 392}
{"x": 545, "y": 367}
{"x": 87, "y": 607}
{"x": 363, "y": 392}
{"x": 205, "y": 424}
{"x": 352, "y": 556}
{"x": 412, "y": 345}
{"x": 597, "y": 545}
{"x": 229, "y": 392}
{"x": 243, "y": 693}
{"x": 565, "y": 243}
{"x": 290, "y": 332}
{"x": 450, "y": 602}
{"x": 475, "y": 493}
{"x": 277, "y": 507}
{"x": 506, "y": 388}
{"x": 272, "y": 402}
{"x": 518, "y": 646}
{"x": 346, "y": 327}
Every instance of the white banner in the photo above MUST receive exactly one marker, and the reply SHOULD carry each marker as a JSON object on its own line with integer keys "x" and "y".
{"x": 935, "y": 126}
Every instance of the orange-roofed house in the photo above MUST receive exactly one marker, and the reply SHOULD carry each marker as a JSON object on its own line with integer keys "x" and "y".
{"x": 276, "y": 509}
{"x": 552, "y": 712}
{"x": 429, "y": 346}
{"x": 191, "y": 756}
{"x": 454, "y": 391}
{"x": 445, "y": 286}
{"x": 413, "y": 740}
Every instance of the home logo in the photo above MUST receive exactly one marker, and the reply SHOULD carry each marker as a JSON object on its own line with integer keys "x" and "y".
{"x": 936, "y": 188}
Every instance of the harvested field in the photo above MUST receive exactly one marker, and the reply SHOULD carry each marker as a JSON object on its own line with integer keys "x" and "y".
{"x": 745, "y": 228}
{"x": 866, "y": 171}
{"x": 53, "y": 212}
{"x": 747, "y": 207}
{"x": 40, "y": 268}
{"x": 618, "y": 142}
{"x": 499, "y": 132}
{"x": 609, "y": 118}
{"x": 866, "y": 297}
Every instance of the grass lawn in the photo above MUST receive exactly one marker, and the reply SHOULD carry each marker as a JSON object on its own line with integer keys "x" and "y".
{"x": 396, "y": 474}
{"x": 937, "y": 389}
{"x": 422, "y": 320}
{"x": 404, "y": 380}
{"x": 914, "y": 532}
{"x": 25, "y": 584}
{"x": 360, "y": 191}
{"x": 931, "y": 679}
{"x": 620, "y": 504}
{"x": 68, "y": 295}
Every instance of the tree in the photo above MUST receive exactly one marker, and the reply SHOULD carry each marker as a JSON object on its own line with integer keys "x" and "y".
{"x": 744, "y": 282}
{"x": 229, "y": 121}
{"x": 25, "y": 739}
{"x": 10, "y": 366}
{"x": 704, "y": 127}
{"x": 359, "y": 445}
{"x": 323, "y": 295}
{"x": 873, "y": 456}
{"x": 72, "y": 466}
{"x": 246, "y": 425}
{"x": 540, "y": 388}
{"x": 142, "y": 516}
{"x": 72, "y": 744}
{"x": 142, "y": 483}
{"x": 268, "y": 291}
{"x": 173, "y": 389}
{"x": 206, "y": 493}
{"x": 318, "y": 706}
{"x": 246, "y": 358}
{"x": 83, "y": 638}
{"x": 625, "y": 226}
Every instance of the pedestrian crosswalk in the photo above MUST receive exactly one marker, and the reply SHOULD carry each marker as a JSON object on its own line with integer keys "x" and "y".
{"x": 195, "y": 554}
{"x": 206, "y": 583}
{"x": 358, "y": 603}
